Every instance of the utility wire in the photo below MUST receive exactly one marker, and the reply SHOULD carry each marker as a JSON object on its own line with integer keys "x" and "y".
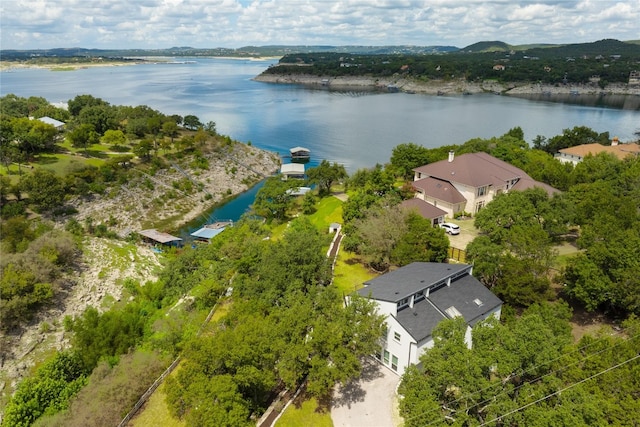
{"x": 560, "y": 391}
{"x": 547, "y": 374}
{"x": 528, "y": 370}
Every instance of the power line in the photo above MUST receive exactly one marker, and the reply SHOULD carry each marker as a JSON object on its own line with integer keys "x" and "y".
{"x": 560, "y": 391}
{"x": 532, "y": 380}
{"x": 549, "y": 373}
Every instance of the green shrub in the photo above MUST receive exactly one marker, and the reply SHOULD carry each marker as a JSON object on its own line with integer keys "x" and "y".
{"x": 47, "y": 391}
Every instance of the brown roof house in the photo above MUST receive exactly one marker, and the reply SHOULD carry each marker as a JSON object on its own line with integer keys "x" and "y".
{"x": 577, "y": 153}
{"x": 469, "y": 181}
{"x": 425, "y": 210}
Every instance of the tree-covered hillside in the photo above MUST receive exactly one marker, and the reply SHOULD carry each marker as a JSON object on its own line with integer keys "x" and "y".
{"x": 612, "y": 61}
{"x": 260, "y": 310}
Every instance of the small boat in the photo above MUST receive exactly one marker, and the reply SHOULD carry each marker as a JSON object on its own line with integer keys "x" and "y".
{"x": 300, "y": 154}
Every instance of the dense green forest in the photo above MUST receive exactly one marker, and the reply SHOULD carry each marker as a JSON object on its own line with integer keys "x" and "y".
{"x": 82, "y": 55}
{"x": 279, "y": 315}
{"x": 611, "y": 60}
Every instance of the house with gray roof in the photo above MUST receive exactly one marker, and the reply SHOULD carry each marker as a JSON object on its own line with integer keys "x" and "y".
{"x": 53, "y": 122}
{"x": 417, "y": 297}
{"x": 469, "y": 181}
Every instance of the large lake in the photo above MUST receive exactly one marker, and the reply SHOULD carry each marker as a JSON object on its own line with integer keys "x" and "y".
{"x": 355, "y": 128}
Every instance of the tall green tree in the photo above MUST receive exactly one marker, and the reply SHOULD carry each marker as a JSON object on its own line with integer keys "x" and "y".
{"x": 101, "y": 117}
{"x": 80, "y": 102}
{"x": 83, "y": 136}
{"x": 272, "y": 200}
{"x": 325, "y": 174}
{"x": 524, "y": 372}
{"x": 114, "y": 137}
{"x": 191, "y": 122}
{"x": 421, "y": 242}
{"x": 406, "y": 157}
{"x": 45, "y": 189}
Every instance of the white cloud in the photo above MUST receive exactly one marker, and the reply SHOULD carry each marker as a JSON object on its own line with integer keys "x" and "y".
{"x": 234, "y": 23}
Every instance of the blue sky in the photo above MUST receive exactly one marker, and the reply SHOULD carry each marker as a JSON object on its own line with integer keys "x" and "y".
{"x": 42, "y": 24}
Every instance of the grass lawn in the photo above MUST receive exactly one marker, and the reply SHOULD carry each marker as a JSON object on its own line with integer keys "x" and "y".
{"x": 307, "y": 414}
{"x": 329, "y": 210}
{"x": 566, "y": 252}
{"x": 61, "y": 164}
{"x": 350, "y": 274}
{"x": 156, "y": 412}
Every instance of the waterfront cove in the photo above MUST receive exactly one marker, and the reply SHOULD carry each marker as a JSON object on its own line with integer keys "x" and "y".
{"x": 357, "y": 128}
{"x": 354, "y": 126}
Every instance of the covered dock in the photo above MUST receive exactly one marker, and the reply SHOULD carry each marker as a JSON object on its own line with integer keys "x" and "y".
{"x": 292, "y": 170}
{"x": 154, "y": 236}
{"x": 300, "y": 153}
{"x": 209, "y": 231}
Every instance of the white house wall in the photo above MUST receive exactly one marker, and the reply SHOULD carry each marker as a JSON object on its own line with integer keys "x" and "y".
{"x": 422, "y": 347}
{"x": 400, "y": 349}
{"x": 387, "y": 308}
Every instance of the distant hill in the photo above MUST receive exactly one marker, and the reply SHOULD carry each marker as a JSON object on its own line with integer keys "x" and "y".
{"x": 487, "y": 46}
{"x": 602, "y": 47}
{"x": 246, "y": 51}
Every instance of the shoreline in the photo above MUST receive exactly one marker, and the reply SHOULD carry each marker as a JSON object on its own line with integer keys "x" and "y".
{"x": 8, "y": 66}
{"x": 453, "y": 87}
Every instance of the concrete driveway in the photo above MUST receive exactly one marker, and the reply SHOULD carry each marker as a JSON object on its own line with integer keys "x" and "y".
{"x": 369, "y": 401}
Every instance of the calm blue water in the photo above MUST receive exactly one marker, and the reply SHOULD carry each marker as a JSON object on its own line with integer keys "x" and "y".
{"x": 232, "y": 210}
{"x": 357, "y": 128}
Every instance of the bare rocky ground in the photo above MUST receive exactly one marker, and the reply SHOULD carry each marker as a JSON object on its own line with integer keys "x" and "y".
{"x": 452, "y": 87}
{"x": 106, "y": 264}
{"x": 160, "y": 201}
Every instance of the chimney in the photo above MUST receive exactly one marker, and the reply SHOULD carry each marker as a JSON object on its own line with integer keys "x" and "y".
{"x": 614, "y": 142}
{"x": 451, "y": 155}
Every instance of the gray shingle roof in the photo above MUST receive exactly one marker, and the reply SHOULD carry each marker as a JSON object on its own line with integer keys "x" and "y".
{"x": 406, "y": 281}
{"x": 420, "y": 320}
{"x": 470, "y": 298}
{"x": 462, "y": 295}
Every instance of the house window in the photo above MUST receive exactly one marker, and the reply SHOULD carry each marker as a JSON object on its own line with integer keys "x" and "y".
{"x": 394, "y": 363}
{"x": 453, "y": 312}
{"x": 396, "y": 336}
{"x": 479, "y": 206}
{"x": 378, "y": 354}
{"x": 403, "y": 303}
{"x": 482, "y": 191}
{"x": 386, "y": 357}
{"x": 419, "y": 296}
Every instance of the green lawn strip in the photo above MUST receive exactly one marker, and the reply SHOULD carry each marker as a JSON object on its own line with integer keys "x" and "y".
{"x": 155, "y": 411}
{"x": 329, "y": 210}
{"x": 307, "y": 414}
{"x": 349, "y": 273}
{"x": 62, "y": 163}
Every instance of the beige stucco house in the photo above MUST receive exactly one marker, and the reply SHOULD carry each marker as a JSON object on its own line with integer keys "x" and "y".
{"x": 576, "y": 153}
{"x": 469, "y": 181}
